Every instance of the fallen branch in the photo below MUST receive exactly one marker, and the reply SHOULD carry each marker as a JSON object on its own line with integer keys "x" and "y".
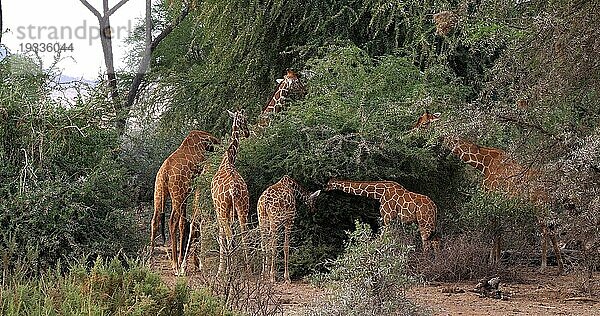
{"x": 581, "y": 299}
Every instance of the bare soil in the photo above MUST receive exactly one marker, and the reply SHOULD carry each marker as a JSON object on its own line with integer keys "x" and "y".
{"x": 534, "y": 293}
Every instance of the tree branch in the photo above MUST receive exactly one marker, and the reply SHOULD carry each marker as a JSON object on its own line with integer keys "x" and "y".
{"x": 1, "y": 21}
{"x": 169, "y": 28}
{"x": 137, "y": 80}
{"x": 92, "y": 9}
{"x": 524, "y": 124}
{"x": 116, "y": 7}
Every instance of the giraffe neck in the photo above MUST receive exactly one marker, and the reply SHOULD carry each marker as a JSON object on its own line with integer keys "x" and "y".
{"x": 299, "y": 191}
{"x": 362, "y": 188}
{"x": 277, "y": 100}
{"x": 234, "y": 143}
{"x": 195, "y": 144}
{"x": 468, "y": 152}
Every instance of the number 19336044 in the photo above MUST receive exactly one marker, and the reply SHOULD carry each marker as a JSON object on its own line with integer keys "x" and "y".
{"x": 45, "y": 47}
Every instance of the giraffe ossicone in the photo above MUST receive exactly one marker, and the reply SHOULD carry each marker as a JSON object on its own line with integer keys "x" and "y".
{"x": 173, "y": 180}
{"x": 276, "y": 208}
{"x": 396, "y": 202}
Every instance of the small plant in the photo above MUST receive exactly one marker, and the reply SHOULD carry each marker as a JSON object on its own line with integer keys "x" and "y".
{"x": 370, "y": 278}
{"x": 461, "y": 257}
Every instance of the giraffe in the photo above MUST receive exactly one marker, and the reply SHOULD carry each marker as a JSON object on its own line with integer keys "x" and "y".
{"x": 277, "y": 207}
{"x": 425, "y": 120}
{"x": 229, "y": 191}
{"x": 396, "y": 202}
{"x": 173, "y": 180}
{"x": 503, "y": 174}
{"x": 290, "y": 84}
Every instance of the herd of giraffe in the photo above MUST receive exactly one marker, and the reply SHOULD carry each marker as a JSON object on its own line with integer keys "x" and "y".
{"x": 277, "y": 204}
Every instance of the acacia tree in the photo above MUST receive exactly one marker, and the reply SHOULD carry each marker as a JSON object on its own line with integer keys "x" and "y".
{"x": 122, "y": 106}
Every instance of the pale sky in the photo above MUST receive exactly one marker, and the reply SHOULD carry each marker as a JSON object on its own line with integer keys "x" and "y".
{"x": 69, "y": 22}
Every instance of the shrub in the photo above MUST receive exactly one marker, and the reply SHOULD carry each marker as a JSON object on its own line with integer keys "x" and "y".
{"x": 490, "y": 215}
{"x": 110, "y": 287}
{"x": 461, "y": 257}
{"x": 64, "y": 189}
{"x": 370, "y": 278}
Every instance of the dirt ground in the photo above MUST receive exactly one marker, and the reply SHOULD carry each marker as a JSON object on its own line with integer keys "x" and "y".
{"x": 535, "y": 293}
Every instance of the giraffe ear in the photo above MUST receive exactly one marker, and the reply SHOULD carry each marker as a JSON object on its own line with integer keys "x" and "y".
{"x": 280, "y": 80}
{"x": 437, "y": 115}
{"x": 231, "y": 114}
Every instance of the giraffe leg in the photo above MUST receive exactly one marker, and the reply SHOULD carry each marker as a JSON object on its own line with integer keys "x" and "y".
{"x": 559, "y": 260}
{"x": 273, "y": 251}
{"x": 286, "y": 252}
{"x": 173, "y": 239}
{"x": 243, "y": 218}
{"x": 157, "y": 217}
{"x": 264, "y": 241}
{"x": 182, "y": 236}
{"x": 162, "y": 227}
{"x": 153, "y": 230}
{"x": 225, "y": 243}
{"x": 222, "y": 249}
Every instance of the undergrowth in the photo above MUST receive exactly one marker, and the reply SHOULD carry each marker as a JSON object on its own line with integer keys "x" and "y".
{"x": 110, "y": 287}
{"x": 370, "y": 278}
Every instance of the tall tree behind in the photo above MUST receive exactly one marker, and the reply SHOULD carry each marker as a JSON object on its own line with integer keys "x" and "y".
{"x": 231, "y": 52}
{"x": 0, "y": 21}
{"x": 122, "y": 106}
{"x": 106, "y": 41}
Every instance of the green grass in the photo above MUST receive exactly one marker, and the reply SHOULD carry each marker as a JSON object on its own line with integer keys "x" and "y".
{"x": 108, "y": 288}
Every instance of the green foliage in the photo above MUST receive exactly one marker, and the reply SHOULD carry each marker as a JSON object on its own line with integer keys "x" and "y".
{"x": 226, "y": 54}
{"x": 353, "y": 124}
{"x": 63, "y": 192}
{"x": 490, "y": 214}
{"x": 370, "y": 277}
{"x": 108, "y": 288}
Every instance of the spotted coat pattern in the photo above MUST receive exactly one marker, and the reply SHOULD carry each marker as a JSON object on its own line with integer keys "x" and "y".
{"x": 503, "y": 174}
{"x": 173, "y": 180}
{"x": 290, "y": 84}
{"x": 395, "y": 202}
{"x": 229, "y": 190}
{"x": 277, "y": 208}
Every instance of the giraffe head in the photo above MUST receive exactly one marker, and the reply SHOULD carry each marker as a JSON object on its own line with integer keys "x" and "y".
{"x": 203, "y": 139}
{"x": 240, "y": 122}
{"x": 292, "y": 83}
{"x": 425, "y": 119}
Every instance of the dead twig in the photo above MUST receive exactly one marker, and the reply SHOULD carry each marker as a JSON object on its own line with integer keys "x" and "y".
{"x": 581, "y": 299}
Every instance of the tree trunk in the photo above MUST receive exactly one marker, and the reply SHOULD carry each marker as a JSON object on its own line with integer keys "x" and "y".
{"x": 150, "y": 47}
{"x": 122, "y": 108}
{"x": 1, "y": 21}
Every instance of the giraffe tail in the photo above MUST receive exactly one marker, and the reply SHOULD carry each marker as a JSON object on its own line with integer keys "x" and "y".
{"x": 160, "y": 190}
